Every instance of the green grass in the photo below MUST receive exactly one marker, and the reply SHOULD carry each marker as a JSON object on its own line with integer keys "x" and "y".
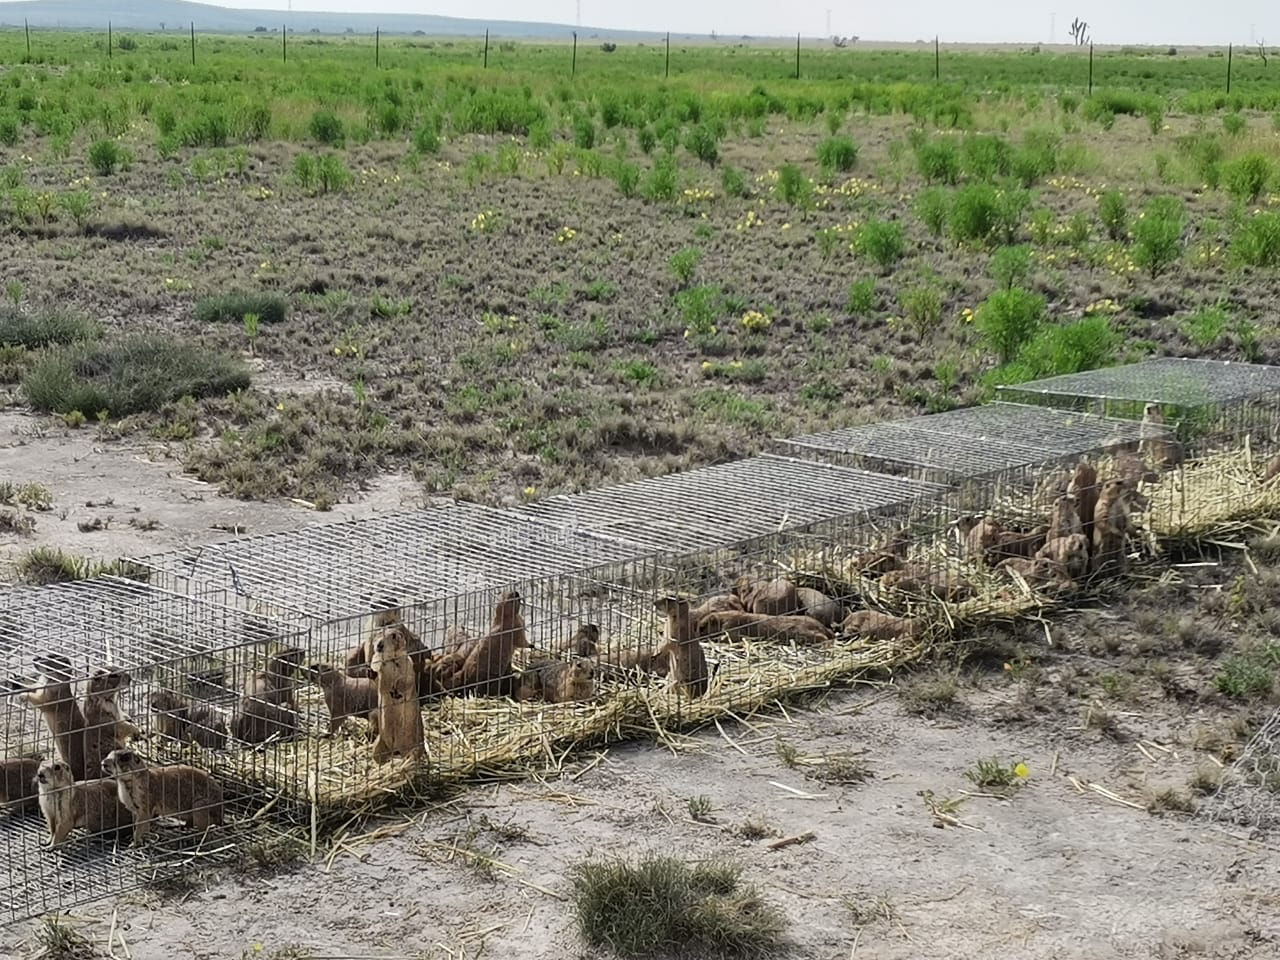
{"x": 134, "y": 374}
{"x": 660, "y": 906}
{"x": 42, "y": 566}
{"x": 34, "y": 327}
{"x": 236, "y": 305}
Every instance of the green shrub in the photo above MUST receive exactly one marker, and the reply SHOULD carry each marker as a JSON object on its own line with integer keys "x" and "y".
{"x": 837, "y": 155}
{"x": 793, "y": 186}
{"x": 1256, "y": 242}
{"x": 1058, "y": 349}
{"x": 1207, "y": 326}
{"x": 584, "y": 133}
{"x": 703, "y": 143}
{"x": 700, "y": 308}
{"x": 661, "y": 906}
{"x": 1203, "y": 153}
{"x": 332, "y": 174}
{"x": 662, "y": 181}
{"x": 1157, "y": 234}
{"x": 733, "y": 182}
{"x": 975, "y": 213}
{"x": 933, "y": 206}
{"x": 1246, "y": 177}
{"x": 921, "y": 310}
{"x": 1011, "y": 266}
{"x": 646, "y": 140}
{"x": 862, "y": 296}
{"x": 234, "y": 305}
{"x": 106, "y": 157}
{"x": 134, "y": 374}
{"x": 426, "y": 139}
{"x": 985, "y": 156}
{"x": 208, "y": 128}
{"x": 881, "y": 241}
{"x": 1037, "y": 158}
{"x": 627, "y": 177}
{"x": 1234, "y": 124}
{"x": 1114, "y": 214}
{"x": 938, "y": 161}
{"x": 684, "y": 264}
{"x": 43, "y": 326}
{"x": 1008, "y": 319}
{"x": 326, "y": 127}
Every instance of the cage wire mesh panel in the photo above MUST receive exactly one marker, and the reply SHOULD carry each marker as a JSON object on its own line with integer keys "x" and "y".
{"x": 87, "y": 665}
{"x": 1249, "y": 794}
{"x": 696, "y": 510}
{"x": 339, "y": 570}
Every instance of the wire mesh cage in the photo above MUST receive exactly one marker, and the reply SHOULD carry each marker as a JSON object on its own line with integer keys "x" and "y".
{"x": 334, "y": 571}
{"x": 1249, "y": 793}
{"x": 111, "y": 686}
{"x": 1224, "y": 459}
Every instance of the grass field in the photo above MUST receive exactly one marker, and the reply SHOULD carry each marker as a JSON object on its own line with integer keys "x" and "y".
{"x": 515, "y": 282}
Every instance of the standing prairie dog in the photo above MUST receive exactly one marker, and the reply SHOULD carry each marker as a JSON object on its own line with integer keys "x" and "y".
{"x": 1084, "y": 487}
{"x": 1064, "y": 520}
{"x": 687, "y": 664}
{"x": 1164, "y": 451}
{"x": 18, "y": 783}
{"x": 487, "y": 670}
{"x": 399, "y": 717}
{"x": 81, "y": 748}
{"x": 102, "y": 709}
{"x": 585, "y": 642}
{"x": 67, "y": 803}
{"x": 344, "y": 696}
{"x": 149, "y": 792}
{"x": 360, "y": 657}
{"x": 1111, "y": 526}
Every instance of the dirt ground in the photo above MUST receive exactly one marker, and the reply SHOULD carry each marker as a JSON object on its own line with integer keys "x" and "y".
{"x": 1055, "y": 872}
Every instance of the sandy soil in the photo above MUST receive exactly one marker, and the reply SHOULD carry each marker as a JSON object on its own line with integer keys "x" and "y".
{"x": 1055, "y": 872}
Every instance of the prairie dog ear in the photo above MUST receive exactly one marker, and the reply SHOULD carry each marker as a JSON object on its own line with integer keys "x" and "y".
{"x": 671, "y": 605}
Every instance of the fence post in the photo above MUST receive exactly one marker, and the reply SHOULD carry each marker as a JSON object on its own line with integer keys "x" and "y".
{"x": 573, "y": 69}
{"x": 193, "y": 43}
{"x": 486, "y": 49}
{"x": 109, "y": 47}
{"x": 1228, "y": 68}
{"x": 1091, "y": 68}
{"x": 937, "y": 60}
{"x": 665, "y": 76}
{"x": 27, "y": 27}
{"x": 797, "y": 56}
{"x": 284, "y": 43}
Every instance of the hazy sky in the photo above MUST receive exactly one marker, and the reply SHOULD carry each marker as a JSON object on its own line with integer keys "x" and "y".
{"x": 1113, "y": 21}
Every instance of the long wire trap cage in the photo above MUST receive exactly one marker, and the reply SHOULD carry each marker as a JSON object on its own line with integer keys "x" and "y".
{"x": 108, "y": 685}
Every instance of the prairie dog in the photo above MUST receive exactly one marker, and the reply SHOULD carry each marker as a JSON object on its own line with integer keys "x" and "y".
{"x": 267, "y": 708}
{"x": 360, "y": 658}
{"x": 102, "y": 709}
{"x": 987, "y": 541}
{"x": 925, "y": 582}
{"x": 1111, "y": 526}
{"x": 487, "y": 670}
{"x": 1070, "y": 552}
{"x": 344, "y": 696}
{"x": 818, "y": 605}
{"x": 1164, "y": 451}
{"x": 687, "y": 664}
{"x": 722, "y": 603}
{"x": 399, "y": 718}
{"x": 775, "y": 597}
{"x": 1084, "y": 487}
{"x": 557, "y": 681}
{"x": 149, "y": 792}
{"x": 738, "y": 626}
{"x": 1064, "y": 520}
{"x": 188, "y": 722}
{"x": 874, "y": 625}
{"x": 18, "y": 783}
{"x": 82, "y": 749}
{"x": 1273, "y": 469}
{"x": 585, "y": 642}
{"x": 67, "y": 803}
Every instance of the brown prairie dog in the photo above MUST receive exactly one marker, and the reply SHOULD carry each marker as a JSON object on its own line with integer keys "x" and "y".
{"x": 775, "y": 597}
{"x": 1164, "y": 451}
{"x": 1071, "y": 553}
{"x": 738, "y": 626}
{"x": 18, "y": 783}
{"x": 1084, "y": 487}
{"x": 585, "y": 642}
{"x": 102, "y": 709}
{"x": 873, "y": 625}
{"x": 687, "y": 664}
{"x": 487, "y": 670}
{"x": 557, "y": 681}
{"x": 82, "y": 749}
{"x": 344, "y": 696}
{"x": 149, "y": 792}
{"x": 67, "y": 803}
{"x": 268, "y": 709}
{"x": 1064, "y": 520}
{"x": 360, "y": 658}
{"x": 188, "y": 722}
{"x": 1111, "y": 526}
{"x": 399, "y": 718}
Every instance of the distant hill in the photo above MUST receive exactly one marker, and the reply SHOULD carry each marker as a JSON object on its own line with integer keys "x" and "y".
{"x": 148, "y": 15}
